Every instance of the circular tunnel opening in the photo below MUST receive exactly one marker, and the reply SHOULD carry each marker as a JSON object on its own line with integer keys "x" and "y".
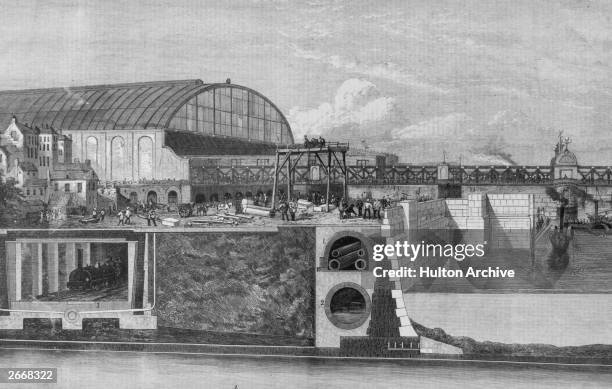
{"x": 347, "y": 306}
{"x": 347, "y": 253}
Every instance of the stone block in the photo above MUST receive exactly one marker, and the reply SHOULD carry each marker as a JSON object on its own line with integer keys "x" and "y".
{"x": 399, "y": 312}
{"x": 430, "y": 346}
{"x": 397, "y": 294}
{"x": 405, "y": 321}
{"x": 72, "y": 325}
{"x": 138, "y": 322}
{"x": 386, "y": 231}
{"x": 407, "y": 331}
{"x": 12, "y": 322}
{"x": 399, "y": 302}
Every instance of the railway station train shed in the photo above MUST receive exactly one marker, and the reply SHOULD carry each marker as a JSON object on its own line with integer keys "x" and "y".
{"x": 149, "y": 139}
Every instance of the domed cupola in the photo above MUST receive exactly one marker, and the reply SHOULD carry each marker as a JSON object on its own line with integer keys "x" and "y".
{"x": 564, "y": 165}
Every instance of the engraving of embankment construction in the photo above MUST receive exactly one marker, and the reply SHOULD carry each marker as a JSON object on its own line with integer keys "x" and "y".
{"x": 167, "y": 209}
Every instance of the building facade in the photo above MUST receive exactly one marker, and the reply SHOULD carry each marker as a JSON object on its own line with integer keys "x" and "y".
{"x": 161, "y": 141}
{"x": 39, "y": 161}
{"x": 144, "y": 138}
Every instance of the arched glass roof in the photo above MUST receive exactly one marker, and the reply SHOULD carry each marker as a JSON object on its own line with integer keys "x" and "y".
{"x": 163, "y": 105}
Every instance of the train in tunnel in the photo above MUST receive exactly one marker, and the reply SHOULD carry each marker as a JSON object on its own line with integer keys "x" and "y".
{"x": 92, "y": 277}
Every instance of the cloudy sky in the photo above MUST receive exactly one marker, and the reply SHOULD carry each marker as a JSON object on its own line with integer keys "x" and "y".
{"x": 485, "y": 81}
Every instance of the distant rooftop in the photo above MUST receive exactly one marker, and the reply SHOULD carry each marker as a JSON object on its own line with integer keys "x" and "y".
{"x": 135, "y": 106}
{"x": 72, "y": 171}
{"x": 98, "y": 107}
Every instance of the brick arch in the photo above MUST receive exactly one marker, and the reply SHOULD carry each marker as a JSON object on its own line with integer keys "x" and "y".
{"x": 367, "y": 243}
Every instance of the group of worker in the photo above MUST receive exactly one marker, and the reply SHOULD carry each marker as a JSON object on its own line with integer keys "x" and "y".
{"x": 125, "y": 216}
{"x": 314, "y": 142}
{"x": 288, "y": 209}
{"x": 366, "y": 209}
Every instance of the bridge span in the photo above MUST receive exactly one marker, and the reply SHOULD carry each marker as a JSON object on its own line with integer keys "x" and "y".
{"x": 406, "y": 174}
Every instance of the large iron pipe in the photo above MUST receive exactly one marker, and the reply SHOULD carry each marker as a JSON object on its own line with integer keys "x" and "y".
{"x": 346, "y": 261}
{"x": 343, "y": 250}
{"x": 257, "y": 211}
{"x": 361, "y": 264}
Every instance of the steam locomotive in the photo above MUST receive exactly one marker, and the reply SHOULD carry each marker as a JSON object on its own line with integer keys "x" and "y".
{"x": 89, "y": 277}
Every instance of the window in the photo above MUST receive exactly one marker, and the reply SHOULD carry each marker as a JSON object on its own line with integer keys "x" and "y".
{"x": 263, "y": 162}
{"x": 48, "y": 162}
{"x": 91, "y": 149}
{"x": 232, "y": 111}
{"x": 40, "y": 191}
{"x": 56, "y": 186}
{"x": 66, "y": 187}
{"x": 79, "y": 187}
{"x": 27, "y": 192}
{"x": 362, "y": 162}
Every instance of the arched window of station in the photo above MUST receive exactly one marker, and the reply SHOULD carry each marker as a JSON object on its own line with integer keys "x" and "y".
{"x": 152, "y": 197}
{"x": 231, "y": 110}
{"x": 227, "y": 196}
{"x": 214, "y": 197}
{"x": 133, "y": 197}
{"x": 145, "y": 157}
{"x": 249, "y": 195}
{"x": 119, "y": 163}
{"x": 238, "y": 195}
{"x": 91, "y": 150}
{"x": 172, "y": 198}
{"x": 347, "y": 305}
{"x": 200, "y": 198}
{"x": 347, "y": 252}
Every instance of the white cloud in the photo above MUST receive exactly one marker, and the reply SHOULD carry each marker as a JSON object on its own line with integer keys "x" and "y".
{"x": 357, "y": 102}
{"x": 451, "y": 125}
{"x": 385, "y": 70}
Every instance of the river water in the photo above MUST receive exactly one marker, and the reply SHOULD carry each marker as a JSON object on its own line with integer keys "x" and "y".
{"x": 95, "y": 369}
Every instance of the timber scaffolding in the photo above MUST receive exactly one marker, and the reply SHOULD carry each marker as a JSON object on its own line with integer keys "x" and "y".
{"x": 291, "y": 156}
